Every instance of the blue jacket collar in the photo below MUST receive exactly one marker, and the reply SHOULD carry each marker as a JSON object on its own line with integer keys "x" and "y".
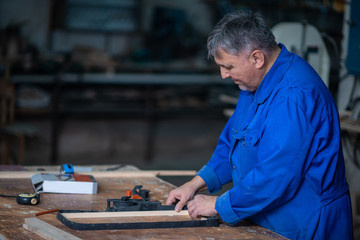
{"x": 274, "y": 75}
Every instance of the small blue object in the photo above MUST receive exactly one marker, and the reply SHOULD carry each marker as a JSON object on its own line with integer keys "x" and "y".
{"x": 67, "y": 168}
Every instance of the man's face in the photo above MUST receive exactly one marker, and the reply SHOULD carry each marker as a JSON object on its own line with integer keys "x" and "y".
{"x": 241, "y": 69}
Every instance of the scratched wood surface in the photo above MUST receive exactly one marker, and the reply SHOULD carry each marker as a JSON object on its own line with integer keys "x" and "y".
{"x": 12, "y": 215}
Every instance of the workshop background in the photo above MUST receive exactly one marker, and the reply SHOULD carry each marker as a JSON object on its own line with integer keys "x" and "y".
{"x": 128, "y": 82}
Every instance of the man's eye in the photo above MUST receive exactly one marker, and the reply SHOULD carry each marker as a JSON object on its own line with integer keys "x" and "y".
{"x": 227, "y": 67}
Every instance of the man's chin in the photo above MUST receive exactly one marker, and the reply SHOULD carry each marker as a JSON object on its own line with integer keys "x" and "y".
{"x": 242, "y": 87}
{"x": 245, "y": 88}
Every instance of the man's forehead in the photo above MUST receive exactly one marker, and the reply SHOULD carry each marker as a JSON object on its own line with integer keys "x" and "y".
{"x": 219, "y": 53}
{"x": 220, "y": 61}
{"x": 224, "y": 58}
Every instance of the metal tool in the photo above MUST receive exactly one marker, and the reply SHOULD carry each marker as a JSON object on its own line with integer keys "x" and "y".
{"x": 138, "y": 201}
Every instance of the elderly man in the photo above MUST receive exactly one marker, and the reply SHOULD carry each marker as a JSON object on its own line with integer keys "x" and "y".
{"x": 281, "y": 148}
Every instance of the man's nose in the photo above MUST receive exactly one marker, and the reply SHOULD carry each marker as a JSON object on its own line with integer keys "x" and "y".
{"x": 224, "y": 73}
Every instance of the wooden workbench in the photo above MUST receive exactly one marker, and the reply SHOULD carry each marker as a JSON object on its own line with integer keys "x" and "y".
{"x": 111, "y": 185}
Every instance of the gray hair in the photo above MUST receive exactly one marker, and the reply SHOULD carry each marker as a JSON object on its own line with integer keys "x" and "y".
{"x": 240, "y": 31}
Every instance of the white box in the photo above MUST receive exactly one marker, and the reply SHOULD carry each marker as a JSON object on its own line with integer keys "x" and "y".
{"x": 64, "y": 183}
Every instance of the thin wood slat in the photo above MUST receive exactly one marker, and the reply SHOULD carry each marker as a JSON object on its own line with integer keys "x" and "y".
{"x": 46, "y": 230}
{"x": 124, "y": 214}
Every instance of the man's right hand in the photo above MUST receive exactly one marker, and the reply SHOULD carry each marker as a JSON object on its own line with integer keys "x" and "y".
{"x": 181, "y": 195}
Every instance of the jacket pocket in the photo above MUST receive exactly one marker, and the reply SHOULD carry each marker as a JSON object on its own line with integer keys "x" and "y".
{"x": 245, "y": 155}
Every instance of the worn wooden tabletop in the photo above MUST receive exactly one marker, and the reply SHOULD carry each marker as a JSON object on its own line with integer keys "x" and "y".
{"x": 13, "y": 215}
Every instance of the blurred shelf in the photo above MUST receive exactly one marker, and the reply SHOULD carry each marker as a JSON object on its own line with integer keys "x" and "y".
{"x": 129, "y": 94}
{"x": 125, "y": 78}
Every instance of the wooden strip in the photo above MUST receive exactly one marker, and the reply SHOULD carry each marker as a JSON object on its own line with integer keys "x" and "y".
{"x": 124, "y": 214}
{"x": 2, "y": 237}
{"x": 46, "y": 230}
{"x": 28, "y": 174}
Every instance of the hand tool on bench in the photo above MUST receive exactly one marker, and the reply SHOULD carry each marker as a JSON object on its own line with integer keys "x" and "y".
{"x": 138, "y": 201}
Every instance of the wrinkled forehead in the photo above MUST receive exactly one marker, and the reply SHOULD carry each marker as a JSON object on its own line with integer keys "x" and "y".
{"x": 221, "y": 52}
{"x": 225, "y": 59}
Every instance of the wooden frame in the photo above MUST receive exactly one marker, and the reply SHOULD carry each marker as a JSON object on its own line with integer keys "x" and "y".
{"x": 128, "y": 220}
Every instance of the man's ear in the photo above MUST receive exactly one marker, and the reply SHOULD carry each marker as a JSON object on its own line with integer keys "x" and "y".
{"x": 257, "y": 57}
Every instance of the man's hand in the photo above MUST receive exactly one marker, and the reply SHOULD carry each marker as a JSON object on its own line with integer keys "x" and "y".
{"x": 202, "y": 206}
{"x": 185, "y": 193}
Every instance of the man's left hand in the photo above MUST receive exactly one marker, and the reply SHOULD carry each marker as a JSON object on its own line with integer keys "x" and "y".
{"x": 202, "y": 206}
